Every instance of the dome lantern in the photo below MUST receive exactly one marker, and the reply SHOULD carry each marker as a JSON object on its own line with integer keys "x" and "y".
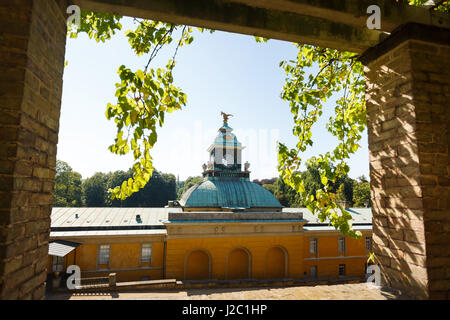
{"x": 225, "y": 153}
{"x": 225, "y": 185}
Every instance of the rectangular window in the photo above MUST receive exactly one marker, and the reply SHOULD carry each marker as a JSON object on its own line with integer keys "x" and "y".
{"x": 341, "y": 245}
{"x": 58, "y": 264}
{"x": 369, "y": 243}
{"x": 103, "y": 254}
{"x": 342, "y": 270}
{"x": 146, "y": 252}
{"x": 313, "y": 245}
{"x": 313, "y": 272}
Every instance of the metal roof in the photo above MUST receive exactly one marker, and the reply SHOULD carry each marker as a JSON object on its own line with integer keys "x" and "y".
{"x": 122, "y": 221}
{"x": 74, "y": 222}
{"x": 61, "y": 248}
{"x": 108, "y": 217}
{"x": 362, "y": 219}
{"x": 94, "y": 233}
{"x": 359, "y": 215}
{"x": 229, "y": 193}
{"x": 331, "y": 228}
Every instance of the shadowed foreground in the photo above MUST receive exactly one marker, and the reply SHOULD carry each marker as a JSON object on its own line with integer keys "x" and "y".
{"x": 359, "y": 291}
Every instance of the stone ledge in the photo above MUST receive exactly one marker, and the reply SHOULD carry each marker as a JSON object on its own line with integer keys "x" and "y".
{"x": 249, "y": 215}
{"x": 409, "y": 31}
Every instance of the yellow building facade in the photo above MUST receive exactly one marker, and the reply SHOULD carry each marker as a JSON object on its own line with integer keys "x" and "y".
{"x": 221, "y": 251}
{"x": 225, "y": 228}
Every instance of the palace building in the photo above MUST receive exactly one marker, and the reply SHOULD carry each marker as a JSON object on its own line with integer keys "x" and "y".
{"x": 224, "y": 228}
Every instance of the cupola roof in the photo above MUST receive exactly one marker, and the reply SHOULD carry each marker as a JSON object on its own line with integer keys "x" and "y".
{"x": 225, "y": 184}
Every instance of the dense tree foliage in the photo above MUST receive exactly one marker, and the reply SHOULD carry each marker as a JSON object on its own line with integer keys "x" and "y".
{"x": 156, "y": 193}
{"x": 71, "y": 191}
{"x": 191, "y": 181}
{"x": 345, "y": 190}
{"x": 94, "y": 190}
{"x": 286, "y": 195}
{"x": 145, "y": 95}
{"x": 354, "y": 192}
{"x": 180, "y": 188}
{"x": 68, "y": 192}
{"x": 265, "y": 181}
{"x": 361, "y": 192}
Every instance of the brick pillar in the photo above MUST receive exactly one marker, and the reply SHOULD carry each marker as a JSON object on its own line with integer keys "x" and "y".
{"x": 408, "y": 117}
{"x": 32, "y": 48}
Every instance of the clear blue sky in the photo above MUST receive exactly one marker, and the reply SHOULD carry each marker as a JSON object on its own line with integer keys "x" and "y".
{"x": 218, "y": 72}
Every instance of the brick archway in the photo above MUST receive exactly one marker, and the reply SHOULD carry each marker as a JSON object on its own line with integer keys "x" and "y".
{"x": 408, "y": 122}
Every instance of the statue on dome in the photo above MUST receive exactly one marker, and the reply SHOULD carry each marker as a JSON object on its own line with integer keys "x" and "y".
{"x": 226, "y": 116}
{"x": 246, "y": 166}
{"x": 204, "y": 167}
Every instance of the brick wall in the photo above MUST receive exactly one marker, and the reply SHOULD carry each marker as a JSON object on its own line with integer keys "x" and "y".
{"x": 408, "y": 118}
{"x": 32, "y": 48}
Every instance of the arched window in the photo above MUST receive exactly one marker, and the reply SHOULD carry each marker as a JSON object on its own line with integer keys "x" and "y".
{"x": 239, "y": 264}
{"x": 276, "y": 263}
{"x": 197, "y": 265}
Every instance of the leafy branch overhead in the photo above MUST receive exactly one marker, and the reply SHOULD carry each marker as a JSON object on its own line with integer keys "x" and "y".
{"x": 144, "y": 97}
{"x": 340, "y": 77}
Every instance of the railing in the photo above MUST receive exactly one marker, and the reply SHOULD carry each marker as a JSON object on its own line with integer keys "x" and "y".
{"x": 99, "y": 282}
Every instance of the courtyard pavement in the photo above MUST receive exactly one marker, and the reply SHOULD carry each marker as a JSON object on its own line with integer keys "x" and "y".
{"x": 359, "y": 291}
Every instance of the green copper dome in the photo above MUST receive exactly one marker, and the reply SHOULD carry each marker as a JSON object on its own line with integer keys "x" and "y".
{"x": 223, "y": 192}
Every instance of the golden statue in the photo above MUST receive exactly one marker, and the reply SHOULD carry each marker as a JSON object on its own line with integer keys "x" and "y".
{"x": 225, "y": 117}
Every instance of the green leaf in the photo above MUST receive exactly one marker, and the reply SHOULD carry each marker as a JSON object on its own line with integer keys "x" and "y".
{"x": 140, "y": 74}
